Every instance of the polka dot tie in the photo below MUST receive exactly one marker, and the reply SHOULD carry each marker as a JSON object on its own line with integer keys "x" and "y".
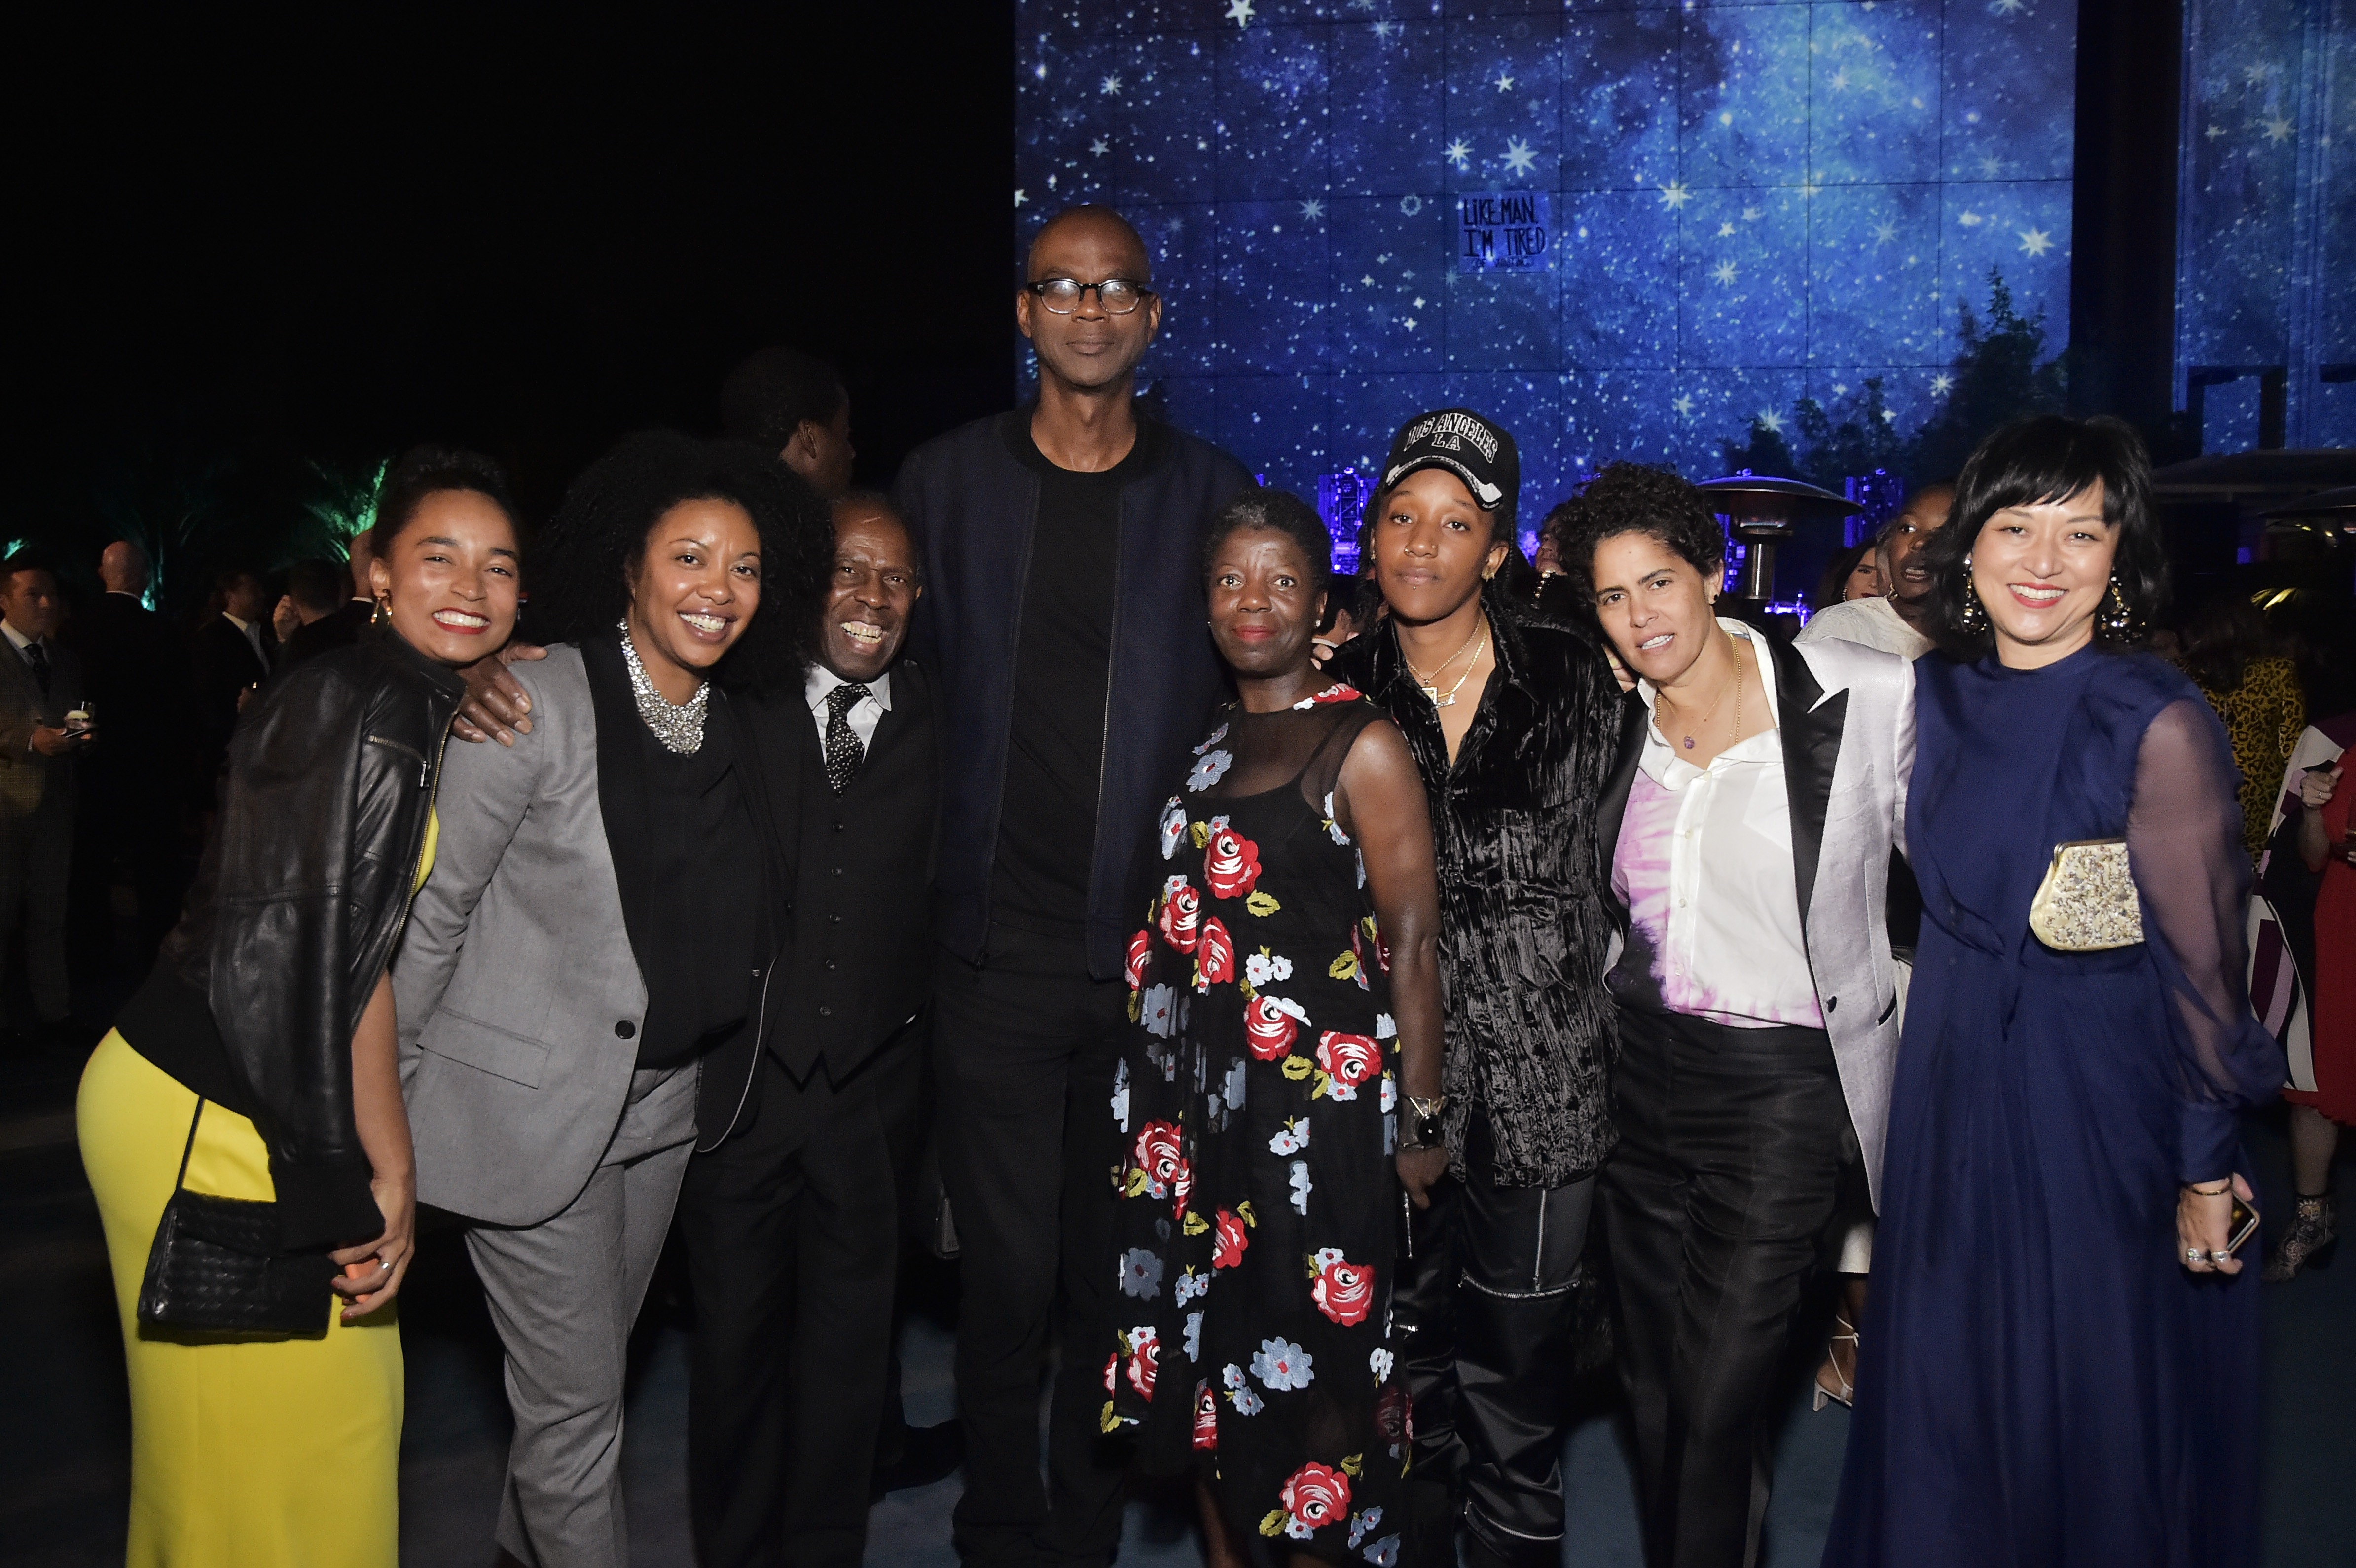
{"x": 843, "y": 751}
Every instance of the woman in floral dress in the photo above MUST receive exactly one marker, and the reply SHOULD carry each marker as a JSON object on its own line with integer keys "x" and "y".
{"x": 1286, "y": 990}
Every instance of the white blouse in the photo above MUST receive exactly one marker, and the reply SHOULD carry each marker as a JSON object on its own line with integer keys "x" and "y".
{"x": 1704, "y": 864}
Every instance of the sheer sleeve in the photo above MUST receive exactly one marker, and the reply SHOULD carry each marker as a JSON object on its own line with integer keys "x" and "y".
{"x": 2184, "y": 845}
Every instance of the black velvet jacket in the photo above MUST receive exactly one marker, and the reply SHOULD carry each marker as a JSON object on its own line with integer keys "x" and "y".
{"x": 1524, "y": 924}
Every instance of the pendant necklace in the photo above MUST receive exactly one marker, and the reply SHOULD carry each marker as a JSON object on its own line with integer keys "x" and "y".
{"x": 1664, "y": 702}
{"x": 1429, "y": 686}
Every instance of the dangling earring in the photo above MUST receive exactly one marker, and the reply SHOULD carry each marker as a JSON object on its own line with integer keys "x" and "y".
{"x": 1974, "y": 617}
{"x": 2118, "y": 621}
{"x": 383, "y": 611}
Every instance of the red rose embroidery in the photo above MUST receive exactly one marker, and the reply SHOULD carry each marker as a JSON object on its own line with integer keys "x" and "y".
{"x": 1140, "y": 946}
{"x": 1382, "y": 948}
{"x": 1340, "y": 692}
{"x": 1268, "y": 1027}
{"x": 1144, "y": 1359}
{"x": 1182, "y": 1183}
{"x": 1206, "y": 1418}
{"x": 1317, "y": 1494}
{"x": 1349, "y": 1060}
{"x": 1157, "y": 1156}
{"x": 1230, "y": 863}
{"x": 1182, "y": 907}
{"x": 1215, "y": 956}
{"x": 1112, "y": 1370}
{"x": 1228, "y": 1240}
{"x": 1344, "y": 1291}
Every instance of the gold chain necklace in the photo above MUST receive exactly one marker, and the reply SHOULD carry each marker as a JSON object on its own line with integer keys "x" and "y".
{"x": 1430, "y": 684}
{"x": 1662, "y": 701}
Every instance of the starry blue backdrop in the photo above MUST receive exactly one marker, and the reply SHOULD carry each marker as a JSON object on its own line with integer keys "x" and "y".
{"x": 1750, "y": 203}
{"x": 2266, "y": 217}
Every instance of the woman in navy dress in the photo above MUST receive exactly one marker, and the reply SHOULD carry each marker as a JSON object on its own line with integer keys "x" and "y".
{"x": 2061, "y": 1365}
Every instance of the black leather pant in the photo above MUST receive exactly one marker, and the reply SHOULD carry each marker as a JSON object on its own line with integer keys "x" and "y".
{"x": 1715, "y": 1202}
{"x": 1486, "y": 1302}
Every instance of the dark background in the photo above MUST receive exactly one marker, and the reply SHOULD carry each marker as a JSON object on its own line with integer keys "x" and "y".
{"x": 254, "y": 257}
{"x": 245, "y": 246}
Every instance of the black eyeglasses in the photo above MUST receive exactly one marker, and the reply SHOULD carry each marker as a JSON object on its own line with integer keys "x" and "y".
{"x": 1119, "y": 296}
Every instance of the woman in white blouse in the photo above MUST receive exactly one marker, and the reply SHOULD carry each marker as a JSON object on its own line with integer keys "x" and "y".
{"x": 1748, "y": 830}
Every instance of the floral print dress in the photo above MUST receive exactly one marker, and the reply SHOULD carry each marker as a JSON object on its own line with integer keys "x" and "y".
{"x": 1259, "y": 1205}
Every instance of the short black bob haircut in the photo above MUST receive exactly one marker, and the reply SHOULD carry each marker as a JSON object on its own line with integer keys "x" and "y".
{"x": 589, "y": 551}
{"x": 424, "y": 472}
{"x": 1274, "y": 512}
{"x": 1629, "y": 498}
{"x": 765, "y": 399}
{"x": 2048, "y": 458}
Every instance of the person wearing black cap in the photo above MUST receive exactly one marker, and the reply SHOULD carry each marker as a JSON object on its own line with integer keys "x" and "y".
{"x": 1513, "y": 718}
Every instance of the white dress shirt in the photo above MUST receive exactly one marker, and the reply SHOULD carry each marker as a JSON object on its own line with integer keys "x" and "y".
{"x": 863, "y": 716}
{"x": 1704, "y": 864}
{"x": 19, "y": 641}
{"x": 1873, "y": 622}
{"x": 253, "y": 631}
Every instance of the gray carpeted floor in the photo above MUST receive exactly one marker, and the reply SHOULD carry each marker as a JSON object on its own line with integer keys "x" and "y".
{"x": 63, "y": 1425}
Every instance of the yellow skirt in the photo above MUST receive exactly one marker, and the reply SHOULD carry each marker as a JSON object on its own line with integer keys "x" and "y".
{"x": 245, "y": 1453}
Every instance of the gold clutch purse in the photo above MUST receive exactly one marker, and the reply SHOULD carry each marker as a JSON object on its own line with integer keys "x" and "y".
{"x": 2087, "y": 902}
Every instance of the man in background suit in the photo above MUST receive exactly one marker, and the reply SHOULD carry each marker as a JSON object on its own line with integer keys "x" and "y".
{"x": 315, "y": 598}
{"x": 40, "y": 684}
{"x": 134, "y": 788}
{"x": 235, "y": 654}
{"x": 343, "y": 618}
{"x": 790, "y": 1212}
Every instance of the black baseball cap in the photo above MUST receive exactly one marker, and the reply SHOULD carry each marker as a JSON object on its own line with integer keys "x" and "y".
{"x": 1476, "y": 450}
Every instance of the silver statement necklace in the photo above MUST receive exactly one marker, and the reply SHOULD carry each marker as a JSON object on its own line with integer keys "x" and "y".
{"x": 679, "y": 727}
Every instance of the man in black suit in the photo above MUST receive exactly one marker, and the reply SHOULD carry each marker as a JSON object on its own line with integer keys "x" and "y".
{"x": 310, "y": 617}
{"x": 235, "y": 653}
{"x": 136, "y": 787}
{"x": 791, "y": 1209}
{"x": 337, "y": 622}
{"x": 40, "y": 685}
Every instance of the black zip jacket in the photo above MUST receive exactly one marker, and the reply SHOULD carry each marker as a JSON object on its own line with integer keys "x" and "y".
{"x": 302, "y": 892}
{"x": 1524, "y": 923}
{"x": 973, "y": 505}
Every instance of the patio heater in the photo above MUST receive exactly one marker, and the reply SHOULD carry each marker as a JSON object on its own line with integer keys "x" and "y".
{"x": 1761, "y": 512}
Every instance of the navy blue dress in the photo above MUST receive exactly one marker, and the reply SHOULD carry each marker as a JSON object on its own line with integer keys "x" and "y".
{"x": 2041, "y": 1381}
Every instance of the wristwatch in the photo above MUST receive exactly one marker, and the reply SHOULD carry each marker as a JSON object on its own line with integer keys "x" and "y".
{"x": 1423, "y": 1121}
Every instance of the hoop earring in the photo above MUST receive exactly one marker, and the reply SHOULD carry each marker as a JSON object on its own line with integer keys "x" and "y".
{"x": 1975, "y": 616}
{"x": 383, "y": 611}
{"x": 2118, "y": 621}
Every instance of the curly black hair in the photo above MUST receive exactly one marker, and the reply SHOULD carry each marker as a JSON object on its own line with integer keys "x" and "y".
{"x": 424, "y": 472}
{"x": 1629, "y": 498}
{"x": 2034, "y": 461}
{"x": 1278, "y": 511}
{"x": 580, "y": 579}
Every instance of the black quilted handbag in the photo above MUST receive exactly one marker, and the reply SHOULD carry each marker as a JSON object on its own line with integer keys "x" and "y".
{"x": 216, "y": 1266}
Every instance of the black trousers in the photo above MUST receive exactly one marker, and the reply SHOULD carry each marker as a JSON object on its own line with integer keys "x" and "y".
{"x": 1732, "y": 1145}
{"x": 792, "y": 1234}
{"x": 1023, "y": 1052}
{"x": 1485, "y": 1303}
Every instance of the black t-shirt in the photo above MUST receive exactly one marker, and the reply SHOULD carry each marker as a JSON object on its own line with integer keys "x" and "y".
{"x": 1063, "y": 661}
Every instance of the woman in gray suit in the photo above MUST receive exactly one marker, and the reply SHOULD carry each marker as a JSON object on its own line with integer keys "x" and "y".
{"x": 1747, "y": 833}
{"x": 599, "y": 917}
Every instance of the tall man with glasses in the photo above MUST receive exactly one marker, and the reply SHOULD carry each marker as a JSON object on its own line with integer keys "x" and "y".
{"x": 1063, "y": 617}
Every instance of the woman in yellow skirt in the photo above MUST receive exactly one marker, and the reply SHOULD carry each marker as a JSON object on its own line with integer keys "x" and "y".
{"x": 261, "y": 1052}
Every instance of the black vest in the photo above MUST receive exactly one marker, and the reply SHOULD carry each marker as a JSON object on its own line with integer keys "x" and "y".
{"x": 861, "y": 962}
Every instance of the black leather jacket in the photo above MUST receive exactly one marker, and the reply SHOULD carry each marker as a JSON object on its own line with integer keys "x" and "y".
{"x": 304, "y": 887}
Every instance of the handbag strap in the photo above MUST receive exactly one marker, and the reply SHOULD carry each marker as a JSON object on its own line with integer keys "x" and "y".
{"x": 181, "y": 1181}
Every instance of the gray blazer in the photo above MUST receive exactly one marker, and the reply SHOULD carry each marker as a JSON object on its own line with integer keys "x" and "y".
{"x": 30, "y": 782}
{"x": 518, "y": 997}
{"x": 1847, "y": 724}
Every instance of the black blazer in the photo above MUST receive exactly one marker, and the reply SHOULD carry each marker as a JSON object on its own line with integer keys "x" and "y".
{"x": 226, "y": 666}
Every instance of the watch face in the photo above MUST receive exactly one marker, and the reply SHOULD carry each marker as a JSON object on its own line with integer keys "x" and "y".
{"x": 1427, "y": 1130}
